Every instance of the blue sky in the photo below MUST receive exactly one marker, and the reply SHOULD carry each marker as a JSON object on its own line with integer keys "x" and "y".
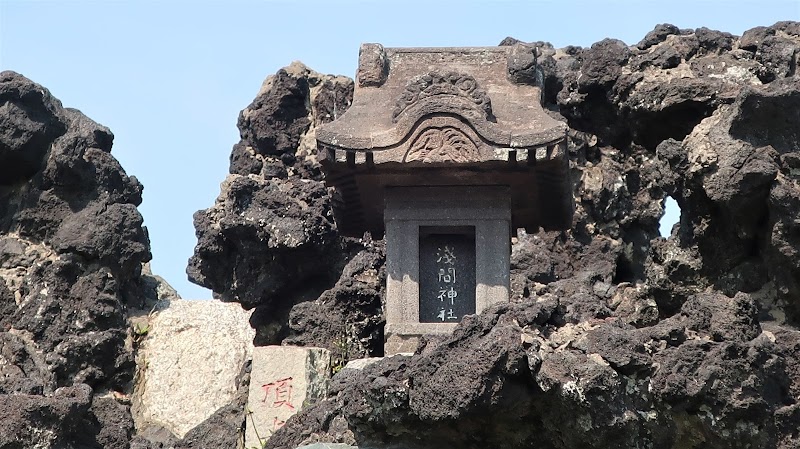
{"x": 169, "y": 78}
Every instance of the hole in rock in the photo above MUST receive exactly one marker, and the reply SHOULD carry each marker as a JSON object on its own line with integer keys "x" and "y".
{"x": 675, "y": 122}
{"x": 672, "y": 214}
{"x": 624, "y": 271}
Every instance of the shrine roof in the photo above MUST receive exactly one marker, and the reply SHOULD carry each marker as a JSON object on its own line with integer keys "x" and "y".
{"x": 496, "y": 90}
{"x": 444, "y": 117}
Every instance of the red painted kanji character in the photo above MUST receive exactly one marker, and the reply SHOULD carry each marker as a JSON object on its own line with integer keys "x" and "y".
{"x": 281, "y": 391}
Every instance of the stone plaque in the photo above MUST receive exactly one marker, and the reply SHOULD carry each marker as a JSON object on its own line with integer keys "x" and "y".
{"x": 283, "y": 380}
{"x": 446, "y": 274}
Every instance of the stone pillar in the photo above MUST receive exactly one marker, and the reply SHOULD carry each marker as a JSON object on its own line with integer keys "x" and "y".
{"x": 283, "y": 380}
{"x": 449, "y": 216}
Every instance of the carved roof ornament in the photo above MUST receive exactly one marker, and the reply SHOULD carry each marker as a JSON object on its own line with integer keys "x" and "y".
{"x": 443, "y": 117}
{"x": 446, "y": 144}
{"x": 456, "y": 85}
{"x": 372, "y": 68}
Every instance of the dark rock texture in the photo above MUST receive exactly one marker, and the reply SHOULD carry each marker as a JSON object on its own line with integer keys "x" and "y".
{"x": 615, "y": 336}
{"x": 516, "y": 376}
{"x": 350, "y": 312}
{"x": 44, "y": 421}
{"x": 270, "y": 240}
{"x": 72, "y": 246}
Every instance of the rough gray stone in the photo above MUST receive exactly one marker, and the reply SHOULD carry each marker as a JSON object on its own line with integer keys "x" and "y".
{"x": 189, "y": 363}
{"x": 359, "y": 364}
{"x": 328, "y": 446}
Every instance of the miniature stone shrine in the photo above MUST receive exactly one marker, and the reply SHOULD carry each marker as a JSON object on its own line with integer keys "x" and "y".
{"x": 445, "y": 151}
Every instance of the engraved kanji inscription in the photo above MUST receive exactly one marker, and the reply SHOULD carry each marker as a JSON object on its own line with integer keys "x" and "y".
{"x": 447, "y": 277}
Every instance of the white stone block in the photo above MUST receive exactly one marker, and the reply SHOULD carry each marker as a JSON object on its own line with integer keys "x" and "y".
{"x": 360, "y": 364}
{"x": 189, "y": 362}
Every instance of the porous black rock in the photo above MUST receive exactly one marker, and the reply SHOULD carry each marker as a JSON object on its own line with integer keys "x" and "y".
{"x": 350, "y": 314}
{"x": 270, "y": 241}
{"x": 514, "y": 377}
{"x": 72, "y": 247}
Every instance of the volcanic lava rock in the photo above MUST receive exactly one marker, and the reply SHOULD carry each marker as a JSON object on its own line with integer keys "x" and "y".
{"x": 516, "y": 376}
{"x": 615, "y": 336}
{"x": 658, "y": 35}
{"x": 349, "y": 315}
{"x": 270, "y": 240}
{"x": 39, "y": 421}
{"x": 72, "y": 246}
{"x": 28, "y": 118}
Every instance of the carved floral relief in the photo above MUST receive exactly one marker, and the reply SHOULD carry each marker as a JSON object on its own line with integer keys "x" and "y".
{"x": 443, "y": 144}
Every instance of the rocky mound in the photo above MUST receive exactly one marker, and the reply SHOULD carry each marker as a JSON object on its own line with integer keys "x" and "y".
{"x": 270, "y": 240}
{"x": 72, "y": 247}
{"x": 615, "y": 337}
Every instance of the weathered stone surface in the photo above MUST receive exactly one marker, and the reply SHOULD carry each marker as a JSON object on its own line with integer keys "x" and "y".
{"x": 658, "y": 35}
{"x": 299, "y": 230}
{"x": 512, "y": 375}
{"x": 190, "y": 363}
{"x": 70, "y": 417}
{"x": 22, "y": 369}
{"x": 458, "y": 120}
{"x": 283, "y": 381}
{"x": 359, "y": 364}
{"x": 36, "y": 421}
{"x": 87, "y": 258}
{"x": 279, "y": 126}
{"x": 346, "y": 319}
{"x": 113, "y": 423}
{"x": 29, "y": 120}
{"x": 328, "y": 446}
{"x": 372, "y": 65}
{"x": 224, "y": 429}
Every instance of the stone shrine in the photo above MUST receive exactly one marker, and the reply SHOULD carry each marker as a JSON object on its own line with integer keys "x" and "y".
{"x": 445, "y": 151}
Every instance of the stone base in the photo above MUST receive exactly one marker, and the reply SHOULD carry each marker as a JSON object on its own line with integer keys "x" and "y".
{"x": 359, "y": 364}
{"x": 400, "y": 344}
{"x": 403, "y": 338}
